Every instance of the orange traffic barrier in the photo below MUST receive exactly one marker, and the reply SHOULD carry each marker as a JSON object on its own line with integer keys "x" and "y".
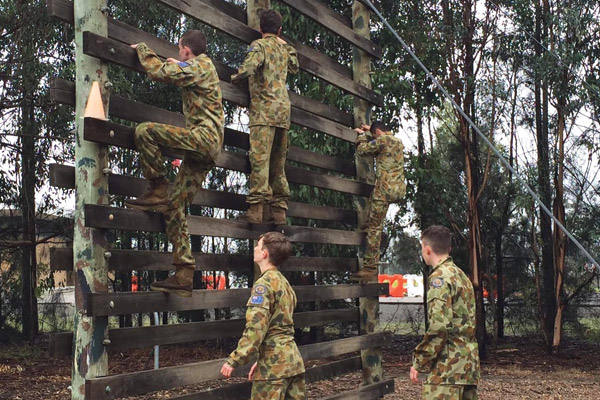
{"x": 212, "y": 285}
{"x": 134, "y": 283}
{"x": 397, "y": 284}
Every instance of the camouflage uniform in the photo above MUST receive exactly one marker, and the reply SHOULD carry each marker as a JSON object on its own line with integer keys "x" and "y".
{"x": 266, "y": 65}
{"x": 449, "y": 351}
{"x": 270, "y": 333}
{"x": 201, "y": 139}
{"x": 389, "y": 188}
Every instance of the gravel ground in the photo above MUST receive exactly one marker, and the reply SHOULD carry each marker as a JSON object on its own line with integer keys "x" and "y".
{"x": 517, "y": 369}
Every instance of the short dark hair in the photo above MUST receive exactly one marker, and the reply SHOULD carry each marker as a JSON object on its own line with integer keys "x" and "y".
{"x": 379, "y": 125}
{"x": 278, "y": 246}
{"x": 439, "y": 238}
{"x": 270, "y": 21}
{"x": 195, "y": 40}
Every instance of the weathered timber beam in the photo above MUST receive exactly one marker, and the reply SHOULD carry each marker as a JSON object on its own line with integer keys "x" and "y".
{"x": 103, "y": 304}
{"x": 121, "y": 185}
{"x": 99, "y": 131}
{"x": 135, "y": 383}
{"x": 241, "y": 391}
{"x": 336, "y": 23}
{"x": 106, "y": 217}
{"x": 147, "y": 336}
{"x": 61, "y": 259}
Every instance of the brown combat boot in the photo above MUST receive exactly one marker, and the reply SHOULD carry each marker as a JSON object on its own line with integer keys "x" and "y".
{"x": 179, "y": 284}
{"x": 278, "y": 216}
{"x": 267, "y": 212}
{"x": 254, "y": 214}
{"x": 156, "y": 198}
{"x": 365, "y": 275}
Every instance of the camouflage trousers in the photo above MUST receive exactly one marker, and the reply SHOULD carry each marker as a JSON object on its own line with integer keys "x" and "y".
{"x": 449, "y": 392}
{"x": 373, "y": 227}
{"x": 293, "y": 388}
{"x": 198, "y": 160}
{"x": 268, "y": 151}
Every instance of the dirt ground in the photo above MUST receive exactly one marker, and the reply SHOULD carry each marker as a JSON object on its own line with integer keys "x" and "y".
{"x": 517, "y": 369}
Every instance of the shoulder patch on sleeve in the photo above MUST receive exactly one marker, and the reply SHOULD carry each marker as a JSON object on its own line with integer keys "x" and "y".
{"x": 256, "y": 300}
{"x": 260, "y": 289}
{"x": 183, "y": 64}
{"x": 437, "y": 283}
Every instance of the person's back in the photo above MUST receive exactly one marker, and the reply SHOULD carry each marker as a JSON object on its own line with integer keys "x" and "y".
{"x": 449, "y": 352}
{"x": 279, "y": 356}
{"x": 202, "y": 99}
{"x": 200, "y": 92}
{"x": 269, "y": 100}
{"x": 388, "y": 152}
{"x": 266, "y": 65}
{"x": 458, "y": 361}
{"x": 389, "y": 167}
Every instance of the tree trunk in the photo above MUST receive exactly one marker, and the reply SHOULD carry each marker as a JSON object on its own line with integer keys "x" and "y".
{"x": 29, "y": 261}
{"x": 472, "y": 162}
{"x": 548, "y": 299}
{"x": 420, "y": 187}
{"x": 560, "y": 242}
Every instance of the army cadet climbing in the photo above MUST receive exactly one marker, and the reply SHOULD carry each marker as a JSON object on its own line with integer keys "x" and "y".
{"x": 390, "y": 187}
{"x": 448, "y": 353}
{"x": 266, "y": 66}
{"x": 278, "y": 372}
{"x": 201, "y": 140}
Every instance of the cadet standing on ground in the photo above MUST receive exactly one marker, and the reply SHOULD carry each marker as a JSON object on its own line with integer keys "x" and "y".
{"x": 389, "y": 188}
{"x": 266, "y": 65}
{"x": 269, "y": 332}
{"x": 449, "y": 351}
{"x": 201, "y": 139}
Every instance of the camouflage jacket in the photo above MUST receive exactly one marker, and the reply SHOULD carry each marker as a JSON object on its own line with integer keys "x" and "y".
{"x": 270, "y": 330}
{"x": 200, "y": 90}
{"x": 449, "y": 351}
{"x": 266, "y": 65}
{"x": 389, "y": 163}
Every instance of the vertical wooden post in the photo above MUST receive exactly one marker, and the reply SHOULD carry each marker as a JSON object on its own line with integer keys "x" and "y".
{"x": 369, "y": 307}
{"x": 91, "y": 187}
{"x": 252, "y": 9}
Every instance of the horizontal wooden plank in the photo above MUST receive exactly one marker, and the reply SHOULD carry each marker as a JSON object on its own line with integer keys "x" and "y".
{"x": 334, "y": 348}
{"x": 310, "y": 59}
{"x": 113, "y": 51}
{"x": 336, "y": 23}
{"x": 241, "y": 391}
{"x": 368, "y": 392}
{"x": 235, "y": 391}
{"x": 61, "y": 259}
{"x": 99, "y": 131}
{"x": 103, "y": 304}
{"x": 141, "y": 382}
{"x": 106, "y": 217}
{"x": 63, "y": 176}
{"x": 138, "y": 337}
